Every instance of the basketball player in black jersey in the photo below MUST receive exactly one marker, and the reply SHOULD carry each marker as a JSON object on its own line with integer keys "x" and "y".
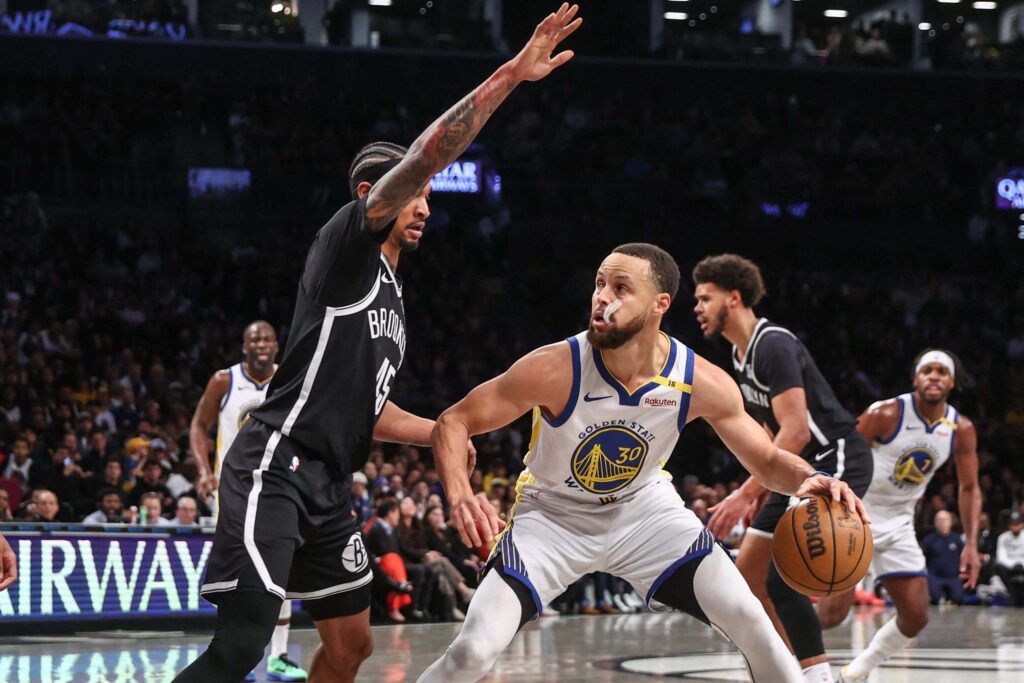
{"x": 286, "y": 528}
{"x": 784, "y": 391}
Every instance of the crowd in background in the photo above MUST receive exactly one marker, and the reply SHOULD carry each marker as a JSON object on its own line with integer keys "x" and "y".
{"x": 113, "y": 319}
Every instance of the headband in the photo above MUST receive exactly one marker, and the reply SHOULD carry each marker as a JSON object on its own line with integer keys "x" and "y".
{"x": 940, "y": 357}
{"x": 372, "y": 173}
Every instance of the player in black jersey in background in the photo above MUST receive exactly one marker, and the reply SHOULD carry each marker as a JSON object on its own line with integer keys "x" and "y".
{"x": 784, "y": 391}
{"x": 286, "y": 527}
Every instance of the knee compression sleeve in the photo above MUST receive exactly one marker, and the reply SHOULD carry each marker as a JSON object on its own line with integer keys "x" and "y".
{"x": 245, "y": 622}
{"x": 797, "y": 615}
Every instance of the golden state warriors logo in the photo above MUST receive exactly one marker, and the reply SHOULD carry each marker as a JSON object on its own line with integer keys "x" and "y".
{"x": 607, "y": 460}
{"x": 913, "y": 467}
{"x": 243, "y": 414}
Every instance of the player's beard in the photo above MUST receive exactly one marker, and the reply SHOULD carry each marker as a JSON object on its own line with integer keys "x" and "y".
{"x": 406, "y": 244}
{"x": 615, "y": 337}
{"x": 720, "y": 320}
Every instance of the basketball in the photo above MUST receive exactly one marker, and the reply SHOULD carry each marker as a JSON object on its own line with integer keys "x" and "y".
{"x": 820, "y": 548}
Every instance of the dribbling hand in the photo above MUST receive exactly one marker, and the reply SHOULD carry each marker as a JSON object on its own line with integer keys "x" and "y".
{"x": 534, "y": 61}
{"x": 475, "y": 520}
{"x": 820, "y": 485}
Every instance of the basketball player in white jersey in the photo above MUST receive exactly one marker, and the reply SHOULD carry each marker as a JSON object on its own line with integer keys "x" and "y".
{"x": 912, "y": 436}
{"x": 609, "y": 405}
{"x": 230, "y": 395}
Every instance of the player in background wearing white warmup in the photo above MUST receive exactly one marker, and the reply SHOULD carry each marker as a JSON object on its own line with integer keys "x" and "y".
{"x": 609, "y": 405}
{"x": 912, "y": 436}
{"x": 229, "y": 396}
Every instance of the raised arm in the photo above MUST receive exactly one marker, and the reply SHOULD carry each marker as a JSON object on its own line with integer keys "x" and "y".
{"x": 541, "y": 378}
{"x": 717, "y": 399}
{"x": 446, "y": 138}
{"x": 203, "y": 419}
{"x": 965, "y": 453}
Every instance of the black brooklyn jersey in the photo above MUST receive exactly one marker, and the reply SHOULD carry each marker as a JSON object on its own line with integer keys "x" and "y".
{"x": 345, "y": 345}
{"x": 776, "y": 361}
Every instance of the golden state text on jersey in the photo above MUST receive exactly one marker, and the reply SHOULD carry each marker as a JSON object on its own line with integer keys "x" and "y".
{"x": 609, "y": 441}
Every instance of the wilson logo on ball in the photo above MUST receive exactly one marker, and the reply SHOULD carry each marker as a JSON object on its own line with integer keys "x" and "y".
{"x": 812, "y": 531}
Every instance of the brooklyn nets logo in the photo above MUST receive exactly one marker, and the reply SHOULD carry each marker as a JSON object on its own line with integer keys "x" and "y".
{"x": 354, "y": 557}
{"x": 913, "y": 665}
{"x": 607, "y": 460}
{"x": 913, "y": 467}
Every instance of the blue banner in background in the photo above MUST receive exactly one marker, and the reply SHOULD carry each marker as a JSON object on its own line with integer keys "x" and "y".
{"x": 95, "y": 575}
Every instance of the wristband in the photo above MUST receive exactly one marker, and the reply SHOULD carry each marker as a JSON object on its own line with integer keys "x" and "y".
{"x": 817, "y": 472}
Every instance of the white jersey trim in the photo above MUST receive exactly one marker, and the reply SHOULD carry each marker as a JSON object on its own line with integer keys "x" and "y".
{"x": 249, "y": 534}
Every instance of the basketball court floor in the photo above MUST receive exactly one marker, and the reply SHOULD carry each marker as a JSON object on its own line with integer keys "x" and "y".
{"x": 979, "y": 645}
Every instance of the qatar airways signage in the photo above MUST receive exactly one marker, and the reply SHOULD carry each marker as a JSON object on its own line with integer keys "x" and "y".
{"x": 87, "y": 575}
{"x": 1010, "y": 190}
{"x": 461, "y": 177}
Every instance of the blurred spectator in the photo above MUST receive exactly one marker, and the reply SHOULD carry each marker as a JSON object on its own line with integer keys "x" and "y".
{"x": 152, "y": 482}
{"x": 942, "y": 550}
{"x": 43, "y": 506}
{"x": 1010, "y": 558}
{"x": 362, "y": 506}
{"x": 110, "y": 509}
{"x": 382, "y": 542}
{"x": 445, "y": 540}
{"x": 20, "y": 462}
{"x": 152, "y": 505}
{"x": 186, "y": 512}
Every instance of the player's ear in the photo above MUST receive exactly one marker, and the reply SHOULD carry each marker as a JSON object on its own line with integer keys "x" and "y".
{"x": 362, "y": 189}
{"x": 733, "y": 299}
{"x": 662, "y": 302}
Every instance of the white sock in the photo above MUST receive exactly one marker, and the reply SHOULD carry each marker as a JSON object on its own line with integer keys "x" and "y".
{"x": 819, "y": 673}
{"x": 279, "y": 641}
{"x": 887, "y": 642}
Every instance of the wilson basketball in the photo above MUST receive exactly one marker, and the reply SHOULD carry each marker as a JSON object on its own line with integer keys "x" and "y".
{"x": 820, "y": 548}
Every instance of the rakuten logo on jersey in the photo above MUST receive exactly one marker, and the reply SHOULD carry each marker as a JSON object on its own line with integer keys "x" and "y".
{"x": 651, "y": 402}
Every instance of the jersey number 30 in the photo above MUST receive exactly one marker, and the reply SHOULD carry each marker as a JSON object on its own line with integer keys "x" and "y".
{"x": 384, "y": 376}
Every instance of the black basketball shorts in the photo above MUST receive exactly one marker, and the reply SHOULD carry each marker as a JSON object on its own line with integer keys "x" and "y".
{"x": 848, "y": 459}
{"x": 285, "y": 526}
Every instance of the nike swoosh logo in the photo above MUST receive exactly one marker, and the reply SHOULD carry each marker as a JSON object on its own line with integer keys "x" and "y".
{"x": 588, "y": 398}
{"x": 386, "y": 280}
{"x": 821, "y": 456}
{"x": 911, "y": 427}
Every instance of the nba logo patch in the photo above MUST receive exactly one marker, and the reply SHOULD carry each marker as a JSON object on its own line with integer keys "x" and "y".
{"x": 295, "y": 463}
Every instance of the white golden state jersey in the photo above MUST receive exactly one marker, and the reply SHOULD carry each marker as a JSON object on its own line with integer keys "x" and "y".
{"x": 907, "y": 460}
{"x": 609, "y": 442}
{"x": 244, "y": 393}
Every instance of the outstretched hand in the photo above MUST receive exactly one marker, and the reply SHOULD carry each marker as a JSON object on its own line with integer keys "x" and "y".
{"x": 535, "y": 60}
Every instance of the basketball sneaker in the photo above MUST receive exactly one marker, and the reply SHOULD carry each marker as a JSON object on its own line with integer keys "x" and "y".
{"x": 281, "y": 668}
{"x": 844, "y": 676}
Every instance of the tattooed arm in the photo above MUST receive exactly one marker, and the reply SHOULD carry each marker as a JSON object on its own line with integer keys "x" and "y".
{"x": 447, "y": 137}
